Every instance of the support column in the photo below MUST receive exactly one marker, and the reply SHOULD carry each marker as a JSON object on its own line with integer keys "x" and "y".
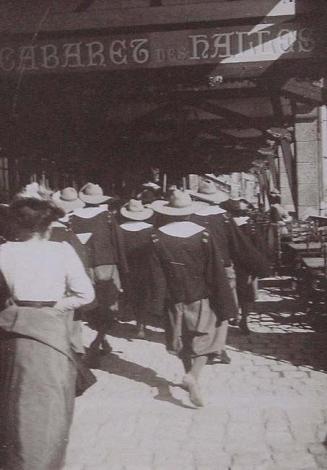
{"x": 323, "y": 153}
{"x": 307, "y": 162}
{"x": 285, "y": 187}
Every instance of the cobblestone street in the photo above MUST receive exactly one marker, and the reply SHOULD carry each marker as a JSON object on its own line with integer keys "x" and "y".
{"x": 267, "y": 410}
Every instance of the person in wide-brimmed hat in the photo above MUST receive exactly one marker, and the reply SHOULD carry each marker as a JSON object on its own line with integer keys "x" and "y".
{"x": 179, "y": 204}
{"x": 250, "y": 259}
{"x": 135, "y": 210}
{"x": 97, "y": 228}
{"x": 136, "y": 229}
{"x": 92, "y": 193}
{"x": 239, "y": 207}
{"x": 67, "y": 199}
{"x": 207, "y": 191}
{"x": 191, "y": 288}
{"x": 214, "y": 219}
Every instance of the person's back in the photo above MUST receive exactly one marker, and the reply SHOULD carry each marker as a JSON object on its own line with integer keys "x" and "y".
{"x": 192, "y": 290}
{"x": 40, "y": 270}
{"x": 96, "y": 227}
{"x": 136, "y": 231}
{"x": 44, "y": 282}
{"x": 183, "y": 257}
{"x": 213, "y": 218}
{"x": 94, "y": 222}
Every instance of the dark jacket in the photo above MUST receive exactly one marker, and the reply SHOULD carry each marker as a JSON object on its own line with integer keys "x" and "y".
{"x": 189, "y": 269}
{"x": 105, "y": 246}
{"x": 61, "y": 233}
{"x": 137, "y": 280}
{"x": 235, "y": 245}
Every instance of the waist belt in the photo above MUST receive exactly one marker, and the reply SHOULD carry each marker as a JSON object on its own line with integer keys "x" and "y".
{"x": 35, "y": 304}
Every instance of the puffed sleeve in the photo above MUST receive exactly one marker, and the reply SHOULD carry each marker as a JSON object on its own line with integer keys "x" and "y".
{"x": 79, "y": 289}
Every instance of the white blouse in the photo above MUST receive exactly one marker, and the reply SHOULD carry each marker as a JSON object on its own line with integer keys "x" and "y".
{"x": 41, "y": 270}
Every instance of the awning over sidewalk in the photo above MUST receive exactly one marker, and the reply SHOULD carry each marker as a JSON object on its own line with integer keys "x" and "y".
{"x": 110, "y": 39}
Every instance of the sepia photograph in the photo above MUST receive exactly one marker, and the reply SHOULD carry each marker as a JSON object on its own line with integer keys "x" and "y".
{"x": 163, "y": 235}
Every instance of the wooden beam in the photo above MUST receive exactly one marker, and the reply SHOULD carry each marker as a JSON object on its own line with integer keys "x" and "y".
{"x": 186, "y": 93}
{"x": 239, "y": 120}
{"x": 166, "y": 116}
{"x": 213, "y": 12}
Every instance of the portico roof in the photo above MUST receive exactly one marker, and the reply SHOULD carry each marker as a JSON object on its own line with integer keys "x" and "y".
{"x": 26, "y": 17}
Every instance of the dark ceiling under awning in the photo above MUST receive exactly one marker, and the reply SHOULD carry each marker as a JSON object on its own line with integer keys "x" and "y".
{"x": 202, "y": 117}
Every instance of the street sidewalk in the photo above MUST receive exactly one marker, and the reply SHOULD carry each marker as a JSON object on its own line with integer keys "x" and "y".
{"x": 267, "y": 410}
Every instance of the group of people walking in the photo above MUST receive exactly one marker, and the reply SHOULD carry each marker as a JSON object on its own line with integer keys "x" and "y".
{"x": 189, "y": 258}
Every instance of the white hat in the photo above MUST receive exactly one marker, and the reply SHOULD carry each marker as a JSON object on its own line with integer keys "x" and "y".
{"x": 92, "y": 194}
{"x": 207, "y": 191}
{"x": 67, "y": 199}
{"x": 179, "y": 204}
{"x": 135, "y": 210}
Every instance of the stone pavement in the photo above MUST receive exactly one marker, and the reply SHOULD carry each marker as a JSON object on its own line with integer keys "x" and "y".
{"x": 267, "y": 410}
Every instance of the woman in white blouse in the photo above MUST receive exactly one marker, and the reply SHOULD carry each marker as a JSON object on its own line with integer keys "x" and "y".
{"x": 41, "y": 284}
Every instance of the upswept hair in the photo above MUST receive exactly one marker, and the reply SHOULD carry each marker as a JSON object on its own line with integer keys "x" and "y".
{"x": 29, "y": 216}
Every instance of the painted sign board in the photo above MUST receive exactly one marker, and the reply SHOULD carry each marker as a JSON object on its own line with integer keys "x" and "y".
{"x": 216, "y": 45}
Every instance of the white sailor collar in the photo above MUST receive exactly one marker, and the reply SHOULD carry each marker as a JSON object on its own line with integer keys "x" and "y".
{"x": 210, "y": 210}
{"x": 89, "y": 212}
{"x": 135, "y": 226}
{"x": 181, "y": 229}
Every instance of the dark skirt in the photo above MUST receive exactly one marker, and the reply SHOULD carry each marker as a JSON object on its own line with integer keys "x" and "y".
{"x": 193, "y": 329}
{"x": 37, "y": 392}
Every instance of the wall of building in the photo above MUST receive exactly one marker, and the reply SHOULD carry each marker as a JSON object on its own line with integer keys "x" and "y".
{"x": 307, "y": 162}
{"x": 285, "y": 189}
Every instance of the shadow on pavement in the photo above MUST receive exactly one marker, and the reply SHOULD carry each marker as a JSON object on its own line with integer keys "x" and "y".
{"x": 300, "y": 349}
{"x": 116, "y": 365}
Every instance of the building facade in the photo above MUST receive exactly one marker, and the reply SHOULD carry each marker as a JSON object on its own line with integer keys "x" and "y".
{"x": 105, "y": 89}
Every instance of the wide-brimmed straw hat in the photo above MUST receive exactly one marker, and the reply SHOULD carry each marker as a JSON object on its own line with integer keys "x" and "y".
{"x": 67, "y": 199}
{"x": 234, "y": 205}
{"x": 179, "y": 204}
{"x": 208, "y": 192}
{"x": 134, "y": 210}
{"x": 92, "y": 194}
